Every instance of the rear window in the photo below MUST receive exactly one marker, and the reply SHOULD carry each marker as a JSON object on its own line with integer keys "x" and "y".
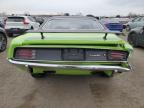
{"x": 15, "y": 19}
{"x": 72, "y": 24}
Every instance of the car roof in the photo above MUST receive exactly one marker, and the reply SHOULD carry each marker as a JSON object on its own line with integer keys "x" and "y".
{"x": 18, "y": 16}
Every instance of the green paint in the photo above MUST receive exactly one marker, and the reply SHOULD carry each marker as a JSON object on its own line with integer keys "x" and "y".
{"x": 71, "y": 40}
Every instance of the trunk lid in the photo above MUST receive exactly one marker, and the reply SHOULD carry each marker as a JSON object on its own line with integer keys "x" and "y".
{"x": 70, "y": 39}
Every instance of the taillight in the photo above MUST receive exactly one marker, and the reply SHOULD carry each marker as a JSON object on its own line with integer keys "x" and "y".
{"x": 25, "y": 54}
{"x": 117, "y": 55}
{"x": 25, "y": 22}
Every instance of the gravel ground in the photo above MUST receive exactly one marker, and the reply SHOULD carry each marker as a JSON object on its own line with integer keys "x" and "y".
{"x": 19, "y": 90}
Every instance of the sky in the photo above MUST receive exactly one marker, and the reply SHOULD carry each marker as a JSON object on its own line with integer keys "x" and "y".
{"x": 95, "y": 7}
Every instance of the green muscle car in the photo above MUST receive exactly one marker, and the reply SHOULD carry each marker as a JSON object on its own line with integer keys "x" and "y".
{"x": 70, "y": 45}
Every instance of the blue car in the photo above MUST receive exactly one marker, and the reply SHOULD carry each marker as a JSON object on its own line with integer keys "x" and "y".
{"x": 112, "y": 24}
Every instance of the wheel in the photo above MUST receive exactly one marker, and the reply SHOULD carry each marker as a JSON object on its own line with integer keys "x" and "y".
{"x": 133, "y": 39}
{"x": 3, "y": 41}
{"x": 36, "y": 75}
{"x": 10, "y": 34}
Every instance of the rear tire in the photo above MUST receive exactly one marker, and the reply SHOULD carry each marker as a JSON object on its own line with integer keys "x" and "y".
{"x": 3, "y": 39}
{"x": 133, "y": 39}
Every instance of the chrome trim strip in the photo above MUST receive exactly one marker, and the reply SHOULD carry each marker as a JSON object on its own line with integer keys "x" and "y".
{"x": 81, "y": 67}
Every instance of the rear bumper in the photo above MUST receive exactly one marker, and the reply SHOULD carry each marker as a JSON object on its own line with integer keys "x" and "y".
{"x": 79, "y": 67}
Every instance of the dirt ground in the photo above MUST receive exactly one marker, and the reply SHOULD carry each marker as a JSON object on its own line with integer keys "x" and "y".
{"x": 19, "y": 90}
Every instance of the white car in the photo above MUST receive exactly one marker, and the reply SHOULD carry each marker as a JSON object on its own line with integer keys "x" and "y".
{"x": 20, "y": 24}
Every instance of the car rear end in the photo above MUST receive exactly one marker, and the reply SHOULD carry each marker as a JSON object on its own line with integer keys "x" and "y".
{"x": 70, "y": 45}
{"x": 73, "y": 58}
{"x": 69, "y": 56}
{"x": 16, "y": 25}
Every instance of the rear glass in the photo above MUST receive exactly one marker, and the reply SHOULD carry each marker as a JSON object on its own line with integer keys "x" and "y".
{"x": 15, "y": 19}
{"x": 72, "y": 24}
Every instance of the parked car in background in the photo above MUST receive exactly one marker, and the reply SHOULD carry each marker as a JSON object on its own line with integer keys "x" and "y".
{"x": 136, "y": 22}
{"x": 136, "y": 37}
{"x": 3, "y": 40}
{"x": 20, "y": 24}
{"x": 112, "y": 24}
{"x": 70, "y": 45}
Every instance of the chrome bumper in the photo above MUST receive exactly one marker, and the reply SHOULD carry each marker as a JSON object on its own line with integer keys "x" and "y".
{"x": 81, "y": 67}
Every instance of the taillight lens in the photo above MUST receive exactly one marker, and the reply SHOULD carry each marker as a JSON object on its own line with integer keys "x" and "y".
{"x": 117, "y": 55}
{"x": 25, "y": 54}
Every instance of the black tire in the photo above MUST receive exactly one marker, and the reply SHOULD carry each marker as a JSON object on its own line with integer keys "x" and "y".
{"x": 10, "y": 34}
{"x": 133, "y": 39}
{"x": 3, "y": 40}
{"x": 36, "y": 75}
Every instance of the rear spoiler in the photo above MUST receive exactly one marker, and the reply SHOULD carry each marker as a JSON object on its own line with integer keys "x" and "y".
{"x": 106, "y": 32}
